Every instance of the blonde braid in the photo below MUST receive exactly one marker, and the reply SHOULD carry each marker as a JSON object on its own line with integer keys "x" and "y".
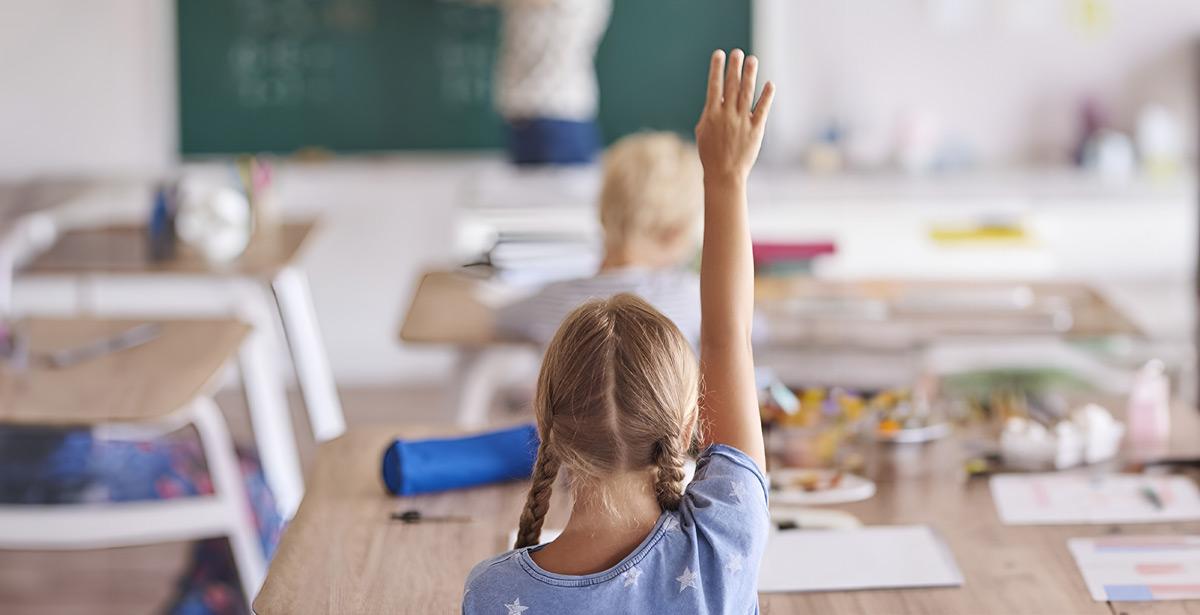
{"x": 545, "y": 472}
{"x": 668, "y": 473}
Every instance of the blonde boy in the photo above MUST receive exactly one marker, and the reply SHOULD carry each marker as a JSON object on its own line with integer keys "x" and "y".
{"x": 650, "y": 207}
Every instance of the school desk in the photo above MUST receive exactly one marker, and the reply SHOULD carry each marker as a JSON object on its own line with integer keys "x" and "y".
{"x": 457, "y": 309}
{"x": 926, "y": 310}
{"x": 343, "y": 554}
{"x": 143, "y": 390}
{"x": 263, "y": 286}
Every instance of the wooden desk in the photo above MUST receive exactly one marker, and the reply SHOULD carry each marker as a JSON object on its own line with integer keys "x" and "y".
{"x": 124, "y": 249}
{"x": 457, "y": 309}
{"x": 342, "y": 554}
{"x": 141, "y": 383}
{"x": 263, "y": 287}
{"x": 915, "y": 312}
{"x": 449, "y": 307}
{"x": 452, "y": 307}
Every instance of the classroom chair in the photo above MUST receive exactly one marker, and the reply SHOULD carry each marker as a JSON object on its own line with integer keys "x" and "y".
{"x": 149, "y": 389}
{"x": 69, "y": 527}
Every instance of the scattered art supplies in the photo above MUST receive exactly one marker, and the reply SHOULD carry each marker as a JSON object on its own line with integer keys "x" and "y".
{"x": 1139, "y": 568}
{"x": 877, "y": 557}
{"x": 1079, "y": 498}
{"x": 829, "y": 427}
{"x": 412, "y": 467}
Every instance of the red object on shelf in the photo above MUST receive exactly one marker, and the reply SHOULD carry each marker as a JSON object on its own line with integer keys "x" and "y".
{"x": 765, "y": 253}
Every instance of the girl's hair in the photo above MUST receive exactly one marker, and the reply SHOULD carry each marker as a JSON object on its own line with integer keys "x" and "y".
{"x": 617, "y": 393}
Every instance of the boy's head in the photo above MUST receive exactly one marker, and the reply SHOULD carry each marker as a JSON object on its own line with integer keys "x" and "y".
{"x": 616, "y": 398}
{"x": 651, "y": 201}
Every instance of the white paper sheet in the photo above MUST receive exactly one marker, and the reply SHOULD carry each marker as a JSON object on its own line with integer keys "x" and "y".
{"x": 874, "y": 557}
{"x": 1074, "y": 498}
{"x": 1139, "y": 568}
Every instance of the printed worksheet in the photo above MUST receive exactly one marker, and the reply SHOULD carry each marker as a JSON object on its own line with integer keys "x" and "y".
{"x": 1074, "y": 498}
{"x": 1139, "y": 568}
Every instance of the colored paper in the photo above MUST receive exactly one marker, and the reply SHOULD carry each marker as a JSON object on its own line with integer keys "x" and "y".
{"x": 1139, "y": 568}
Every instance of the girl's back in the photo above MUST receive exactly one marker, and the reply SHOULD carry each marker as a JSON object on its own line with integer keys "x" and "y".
{"x": 702, "y": 558}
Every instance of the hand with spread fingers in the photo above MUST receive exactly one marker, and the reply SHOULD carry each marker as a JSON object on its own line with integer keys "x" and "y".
{"x": 730, "y": 131}
{"x": 729, "y": 135}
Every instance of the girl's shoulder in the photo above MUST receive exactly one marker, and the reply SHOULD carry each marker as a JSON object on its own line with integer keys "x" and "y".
{"x": 723, "y": 465}
{"x": 497, "y": 566}
{"x": 727, "y": 501}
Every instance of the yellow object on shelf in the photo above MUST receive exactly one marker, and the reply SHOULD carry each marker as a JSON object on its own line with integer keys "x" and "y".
{"x": 979, "y": 234}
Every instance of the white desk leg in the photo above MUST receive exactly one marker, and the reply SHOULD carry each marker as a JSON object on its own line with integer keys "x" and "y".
{"x": 266, "y": 397}
{"x": 230, "y": 489}
{"x": 477, "y": 372}
{"x": 294, "y": 300}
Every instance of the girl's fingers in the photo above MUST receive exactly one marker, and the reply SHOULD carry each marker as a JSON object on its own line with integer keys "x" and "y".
{"x": 764, "y": 104}
{"x": 749, "y": 78}
{"x": 733, "y": 77}
{"x": 716, "y": 80}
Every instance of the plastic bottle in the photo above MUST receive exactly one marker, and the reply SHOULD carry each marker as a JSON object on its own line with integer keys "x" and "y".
{"x": 1149, "y": 412}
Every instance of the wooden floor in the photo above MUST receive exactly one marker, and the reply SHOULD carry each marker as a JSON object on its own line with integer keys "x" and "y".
{"x": 136, "y": 580}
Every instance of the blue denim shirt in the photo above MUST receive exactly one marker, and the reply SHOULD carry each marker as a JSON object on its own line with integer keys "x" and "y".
{"x": 701, "y": 559}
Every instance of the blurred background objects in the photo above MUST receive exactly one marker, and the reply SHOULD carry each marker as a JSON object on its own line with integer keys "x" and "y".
{"x": 980, "y": 209}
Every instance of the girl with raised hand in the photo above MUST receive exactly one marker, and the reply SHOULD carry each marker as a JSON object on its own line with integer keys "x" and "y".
{"x": 620, "y": 402}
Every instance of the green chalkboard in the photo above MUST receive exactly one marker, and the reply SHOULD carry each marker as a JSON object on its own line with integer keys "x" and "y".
{"x": 372, "y": 75}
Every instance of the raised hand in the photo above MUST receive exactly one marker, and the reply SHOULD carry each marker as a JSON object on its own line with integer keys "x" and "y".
{"x": 729, "y": 135}
{"x": 730, "y": 131}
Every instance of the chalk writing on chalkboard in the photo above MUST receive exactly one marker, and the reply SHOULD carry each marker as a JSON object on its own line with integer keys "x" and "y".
{"x": 378, "y": 75}
{"x": 283, "y": 54}
{"x": 464, "y": 54}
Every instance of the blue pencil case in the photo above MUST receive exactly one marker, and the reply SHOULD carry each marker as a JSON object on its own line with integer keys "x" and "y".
{"x": 412, "y": 467}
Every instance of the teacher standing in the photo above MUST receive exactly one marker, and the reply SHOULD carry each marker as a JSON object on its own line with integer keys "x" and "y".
{"x": 546, "y": 88}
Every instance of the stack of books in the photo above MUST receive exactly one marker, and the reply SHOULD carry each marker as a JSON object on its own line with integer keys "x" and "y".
{"x": 535, "y": 259}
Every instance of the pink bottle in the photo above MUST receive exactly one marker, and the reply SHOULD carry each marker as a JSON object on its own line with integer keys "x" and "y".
{"x": 1149, "y": 412}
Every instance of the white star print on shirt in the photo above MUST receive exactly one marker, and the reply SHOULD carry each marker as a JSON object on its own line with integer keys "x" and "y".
{"x": 515, "y": 608}
{"x": 737, "y": 491}
{"x": 734, "y": 565}
{"x": 687, "y": 579}
{"x": 671, "y": 524}
{"x": 631, "y": 577}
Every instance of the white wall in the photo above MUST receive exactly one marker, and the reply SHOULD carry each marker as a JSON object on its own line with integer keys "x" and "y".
{"x": 86, "y": 87}
{"x": 1005, "y": 75}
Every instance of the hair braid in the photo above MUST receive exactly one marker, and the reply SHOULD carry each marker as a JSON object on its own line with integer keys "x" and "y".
{"x": 668, "y": 478}
{"x": 545, "y": 471}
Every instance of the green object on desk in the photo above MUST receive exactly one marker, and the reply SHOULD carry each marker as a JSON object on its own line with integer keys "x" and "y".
{"x": 1031, "y": 380}
{"x": 259, "y": 76}
{"x": 1151, "y": 496}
